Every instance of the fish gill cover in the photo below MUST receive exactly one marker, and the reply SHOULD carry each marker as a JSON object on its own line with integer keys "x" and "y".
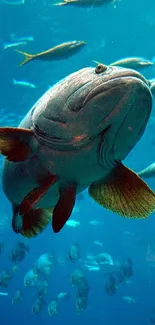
{"x": 89, "y": 265}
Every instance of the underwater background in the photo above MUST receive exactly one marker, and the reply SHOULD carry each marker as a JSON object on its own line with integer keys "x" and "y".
{"x": 111, "y": 33}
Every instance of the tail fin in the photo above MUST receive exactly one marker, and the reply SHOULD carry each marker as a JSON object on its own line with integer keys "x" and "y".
{"x": 27, "y": 57}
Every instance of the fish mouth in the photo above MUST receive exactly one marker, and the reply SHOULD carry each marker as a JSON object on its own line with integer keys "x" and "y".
{"x": 44, "y": 136}
{"x": 77, "y": 43}
{"x": 58, "y": 143}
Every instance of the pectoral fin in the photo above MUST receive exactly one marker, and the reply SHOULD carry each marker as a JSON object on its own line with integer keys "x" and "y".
{"x": 125, "y": 193}
{"x": 63, "y": 208}
{"x": 15, "y": 143}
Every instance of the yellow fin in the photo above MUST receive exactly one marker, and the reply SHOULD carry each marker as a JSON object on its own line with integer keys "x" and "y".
{"x": 28, "y": 57}
{"x": 35, "y": 221}
{"x": 125, "y": 193}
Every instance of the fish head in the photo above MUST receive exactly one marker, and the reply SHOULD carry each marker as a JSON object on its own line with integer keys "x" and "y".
{"x": 76, "y": 44}
{"x": 144, "y": 62}
{"x": 110, "y": 103}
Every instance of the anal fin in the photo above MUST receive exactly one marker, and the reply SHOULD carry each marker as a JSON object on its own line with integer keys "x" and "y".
{"x": 14, "y": 143}
{"x": 63, "y": 208}
{"x": 125, "y": 193}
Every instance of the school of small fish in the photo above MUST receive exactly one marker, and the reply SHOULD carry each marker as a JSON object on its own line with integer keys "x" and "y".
{"x": 38, "y": 278}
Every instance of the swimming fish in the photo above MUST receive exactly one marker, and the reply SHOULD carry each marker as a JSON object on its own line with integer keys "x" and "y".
{"x": 17, "y": 297}
{"x": 14, "y": 2}
{"x": 84, "y": 3}
{"x": 58, "y": 52}
{"x": 96, "y": 242}
{"x": 13, "y": 44}
{"x": 129, "y": 299}
{"x": 3, "y": 293}
{"x": 96, "y": 223}
{"x": 72, "y": 223}
{"x": 23, "y": 83}
{"x": 133, "y": 63}
{"x": 71, "y": 140}
{"x": 21, "y": 38}
{"x": 148, "y": 172}
{"x": 92, "y": 268}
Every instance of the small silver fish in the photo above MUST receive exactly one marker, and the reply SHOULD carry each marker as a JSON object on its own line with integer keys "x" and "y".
{"x": 96, "y": 242}
{"x": 13, "y": 44}
{"x": 15, "y": 38}
{"x": 133, "y": 63}
{"x": 72, "y": 223}
{"x": 148, "y": 172}
{"x": 92, "y": 268}
{"x": 14, "y": 2}
{"x": 23, "y": 83}
{"x": 96, "y": 223}
{"x": 3, "y": 294}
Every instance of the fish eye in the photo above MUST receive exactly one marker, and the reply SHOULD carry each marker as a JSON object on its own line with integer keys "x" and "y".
{"x": 100, "y": 68}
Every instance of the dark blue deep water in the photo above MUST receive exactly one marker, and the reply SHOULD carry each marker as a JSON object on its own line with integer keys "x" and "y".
{"x": 111, "y": 34}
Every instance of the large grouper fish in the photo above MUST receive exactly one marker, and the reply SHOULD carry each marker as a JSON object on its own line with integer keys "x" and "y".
{"x": 74, "y": 138}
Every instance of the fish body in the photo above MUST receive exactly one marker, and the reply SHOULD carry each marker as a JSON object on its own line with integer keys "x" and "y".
{"x": 71, "y": 140}
{"x": 63, "y": 295}
{"x": 53, "y": 307}
{"x": 21, "y": 38}
{"x": 17, "y": 297}
{"x": 59, "y": 52}
{"x": 92, "y": 268}
{"x": 23, "y": 83}
{"x": 13, "y": 44}
{"x": 133, "y": 63}
{"x": 3, "y": 293}
{"x": 98, "y": 243}
{"x": 148, "y": 172}
{"x": 129, "y": 299}
{"x": 96, "y": 223}
{"x": 14, "y": 2}
{"x": 85, "y": 3}
{"x": 72, "y": 223}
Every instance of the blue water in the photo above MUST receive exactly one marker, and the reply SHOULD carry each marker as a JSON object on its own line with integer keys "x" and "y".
{"x": 110, "y": 34}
